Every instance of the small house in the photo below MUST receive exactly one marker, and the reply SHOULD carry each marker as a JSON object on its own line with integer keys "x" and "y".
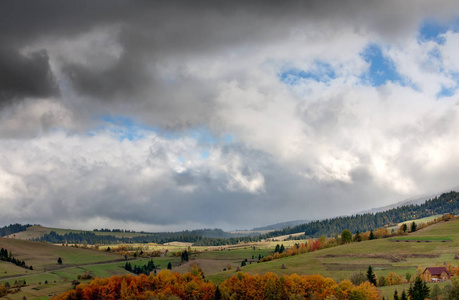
{"x": 435, "y": 274}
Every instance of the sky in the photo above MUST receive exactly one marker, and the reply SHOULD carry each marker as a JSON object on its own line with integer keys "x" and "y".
{"x": 172, "y": 115}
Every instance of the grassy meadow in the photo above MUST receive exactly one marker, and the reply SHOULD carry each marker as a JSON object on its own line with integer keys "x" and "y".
{"x": 431, "y": 246}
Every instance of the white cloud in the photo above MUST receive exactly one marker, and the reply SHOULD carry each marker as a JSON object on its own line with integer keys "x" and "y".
{"x": 337, "y": 141}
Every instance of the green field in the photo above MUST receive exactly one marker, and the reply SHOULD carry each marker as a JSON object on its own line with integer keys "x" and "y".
{"x": 431, "y": 246}
{"x": 383, "y": 254}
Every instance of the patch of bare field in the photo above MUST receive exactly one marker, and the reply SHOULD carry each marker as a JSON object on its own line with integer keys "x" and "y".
{"x": 180, "y": 244}
{"x": 389, "y": 257}
{"x": 284, "y": 237}
{"x": 353, "y": 267}
{"x": 209, "y": 266}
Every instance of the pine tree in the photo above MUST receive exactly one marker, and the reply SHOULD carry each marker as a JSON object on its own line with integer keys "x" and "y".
{"x": 413, "y": 227}
{"x": 276, "y": 250}
{"x": 396, "y": 295}
{"x": 184, "y": 256}
{"x": 404, "y": 228}
{"x": 218, "y": 294}
{"x": 371, "y": 276}
{"x": 59, "y": 261}
{"x": 169, "y": 266}
{"x": 419, "y": 291}
{"x": 404, "y": 297}
{"x": 372, "y": 236}
{"x": 282, "y": 248}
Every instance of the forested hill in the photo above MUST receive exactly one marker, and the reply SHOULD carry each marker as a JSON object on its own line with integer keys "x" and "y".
{"x": 13, "y": 228}
{"x": 445, "y": 203}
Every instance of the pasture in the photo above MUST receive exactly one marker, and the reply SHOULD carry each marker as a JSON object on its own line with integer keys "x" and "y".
{"x": 431, "y": 246}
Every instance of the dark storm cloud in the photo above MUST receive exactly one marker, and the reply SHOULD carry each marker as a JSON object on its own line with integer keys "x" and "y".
{"x": 25, "y": 75}
{"x": 155, "y": 32}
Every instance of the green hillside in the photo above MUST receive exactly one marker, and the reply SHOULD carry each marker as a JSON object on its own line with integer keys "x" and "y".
{"x": 431, "y": 246}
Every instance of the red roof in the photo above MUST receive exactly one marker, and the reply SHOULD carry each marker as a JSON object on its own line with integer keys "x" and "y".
{"x": 436, "y": 270}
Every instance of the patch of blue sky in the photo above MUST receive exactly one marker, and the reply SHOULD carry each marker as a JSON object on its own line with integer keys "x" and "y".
{"x": 451, "y": 90}
{"x": 446, "y": 92}
{"x": 228, "y": 138}
{"x": 320, "y": 72}
{"x": 432, "y": 30}
{"x": 205, "y": 154}
{"x": 123, "y": 127}
{"x": 382, "y": 68}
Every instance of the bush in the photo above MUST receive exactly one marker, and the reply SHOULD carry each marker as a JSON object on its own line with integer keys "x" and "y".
{"x": 358, "y": 278}
{"x": 85, "y": 275}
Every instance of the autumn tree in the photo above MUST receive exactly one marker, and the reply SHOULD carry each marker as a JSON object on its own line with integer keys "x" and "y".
{"x": 357, "y": 237}
{"x": 404, "y": 228}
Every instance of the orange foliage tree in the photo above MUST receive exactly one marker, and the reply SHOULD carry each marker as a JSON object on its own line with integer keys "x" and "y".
{"x": 167, "y": 285}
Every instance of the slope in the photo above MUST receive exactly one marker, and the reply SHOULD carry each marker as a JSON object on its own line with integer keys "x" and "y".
{"x": 431, "y": 246}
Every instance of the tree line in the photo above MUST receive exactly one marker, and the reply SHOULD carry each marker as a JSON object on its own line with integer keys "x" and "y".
{"x": 8, "y": 256}
{"x": 445, "y": 203}
{"x": 12, "y": 229}
{"x": 145, "y": 269}
{"x": 194, "y": 237}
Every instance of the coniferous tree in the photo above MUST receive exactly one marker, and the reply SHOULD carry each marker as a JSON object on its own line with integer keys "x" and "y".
{"x": 396, "y": 295}
{"x": 59, "y": 261}
{"x": 372, "y": 236}
{"x": 413, "y": 227}
{"x": 419, "y": 291}
{"x": 404, "y": 228}
{"x": 282, "y": 248}
{"x": 371, "y": 276}
{"x": 404, "y": 297}
{"x": 169, "y": 266}
{"x": 184, "y": 256}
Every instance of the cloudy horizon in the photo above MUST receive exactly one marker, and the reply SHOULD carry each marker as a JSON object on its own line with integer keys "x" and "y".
{"x": 164, "y": 116}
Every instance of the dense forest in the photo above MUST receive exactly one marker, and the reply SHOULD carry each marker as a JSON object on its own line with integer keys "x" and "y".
{"x": 208, "y": 237}
{"x": 446, "y": 203}
{"x": 12, "y": 229}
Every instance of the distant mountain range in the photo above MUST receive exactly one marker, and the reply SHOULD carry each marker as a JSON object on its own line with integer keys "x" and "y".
{"x": 413, "y": 200}
{"x": 410, "y": 201}
{"x": 281, "y": 225}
